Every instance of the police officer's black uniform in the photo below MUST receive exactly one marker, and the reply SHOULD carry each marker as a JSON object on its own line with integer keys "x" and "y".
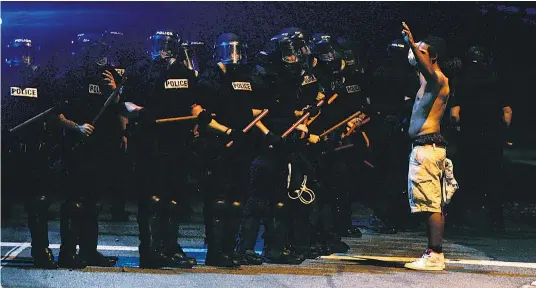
{"x": 92, "y": 166}
{"x": 27, "y": 90}
{"x": 228, "y": 90}
{"x": 166, "y": 89}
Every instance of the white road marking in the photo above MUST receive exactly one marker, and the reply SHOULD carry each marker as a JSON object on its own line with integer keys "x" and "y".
{"x": 449, "y": 261}
{"x": 99, "y": 247}
{"x": 13, "y": 253}
{"x": 20, "y": 246}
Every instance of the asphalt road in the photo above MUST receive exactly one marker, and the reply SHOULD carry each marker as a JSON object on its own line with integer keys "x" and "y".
{"x": 474, "y": 260}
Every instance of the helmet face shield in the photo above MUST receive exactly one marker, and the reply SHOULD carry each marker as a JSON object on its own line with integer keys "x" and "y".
{"x": 327, "y": 52}
{"x": 188, "y": 56}
{"x": 91, "y": 48}
{"x": 231, "y": 53}
{"x": 289, "y": 53}
{"x": 163, "y": 46}
{"x": 198, "y": 54}
{"x": 20, "y": 52}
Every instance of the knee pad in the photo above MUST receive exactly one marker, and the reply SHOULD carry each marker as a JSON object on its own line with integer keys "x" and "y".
{"x": 220, "y": 208}
{"x": 155, "y": 204}
{"x": 40, "y": 203}
{"x": 173, "y": 207}
{"x": 236, "y": 209}
{"x": 72, "y": 208}
{"x": 279, "y": 208}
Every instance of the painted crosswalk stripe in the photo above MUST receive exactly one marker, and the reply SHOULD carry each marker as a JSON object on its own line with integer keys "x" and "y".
{"x": 13, "y": 253}
{"x": 349, "y": 257}
{"x": 18, "y": 247}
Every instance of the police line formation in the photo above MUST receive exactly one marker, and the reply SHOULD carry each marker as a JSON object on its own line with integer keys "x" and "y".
{"x": 280, "y": 138}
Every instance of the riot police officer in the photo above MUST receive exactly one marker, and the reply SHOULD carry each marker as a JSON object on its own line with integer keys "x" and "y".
{"x": 227, "y": 89}
{"x": 280, "y": 64}
{"x": 197, "y": 54}
{"x": 391, "y": 87}
{"x": 300, "y": 42}
{"x": 342, "y": 80}
{"x": 92, "y": 164}
{"x": 483, "y": 111}
{"x": 165, "y": 86}
{"x": 27, "y": 91}
{"x": 118, "y": 58}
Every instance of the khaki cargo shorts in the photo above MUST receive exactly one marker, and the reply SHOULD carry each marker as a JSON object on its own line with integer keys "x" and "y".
{"x": 426, "y": 166}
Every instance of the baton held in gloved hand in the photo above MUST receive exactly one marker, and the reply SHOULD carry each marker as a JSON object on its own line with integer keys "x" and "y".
{"x": 250, "y": 125}
{"x": 295, "y": 125}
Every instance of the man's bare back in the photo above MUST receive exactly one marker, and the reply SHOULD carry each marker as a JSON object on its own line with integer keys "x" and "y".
{"x": 430, "y": 104}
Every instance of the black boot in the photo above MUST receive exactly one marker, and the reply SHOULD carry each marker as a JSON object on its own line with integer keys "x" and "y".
{"x": 300, "y": 231}
{"x": 276, "y": 238}
{"x": 89, "y": 239}
{"x": 95, "y": 258}
{"x": 253, "y": 258}
{"x": 249, "y": 230}
{"x": 342, "y": 215}
{"x": 231, "y": 232}
{"x": 150, "y": 222}
{"x": 38, "y": 224}
{"x": 172, "y": 248}
{"x": 216, "y": 252}
{"x": 69, "y": 222}
{"x": 43, "y": 258}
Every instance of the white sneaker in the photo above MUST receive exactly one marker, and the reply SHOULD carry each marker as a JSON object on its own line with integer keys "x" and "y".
{"x": 430, "y": 261}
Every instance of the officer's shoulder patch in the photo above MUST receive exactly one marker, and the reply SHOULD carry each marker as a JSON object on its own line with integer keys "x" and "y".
{"x": 120, "y": 71}
{"x": 176, "y": 84}
{"x": 26, "y": 92}
{"x": 243, "y": 86}
{"x": 353, "y": 88}
{"x": 94, "y": 89}
{"x": 308, "y": 79}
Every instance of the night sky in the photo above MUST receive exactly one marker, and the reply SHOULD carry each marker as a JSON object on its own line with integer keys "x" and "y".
{"x": 373, "y": 24}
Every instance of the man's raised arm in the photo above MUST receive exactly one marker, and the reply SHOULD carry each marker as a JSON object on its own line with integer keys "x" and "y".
{"x": 421, "y": 55}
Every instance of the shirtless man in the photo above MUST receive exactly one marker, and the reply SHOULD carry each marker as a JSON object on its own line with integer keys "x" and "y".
{"x": 426, "y": 163}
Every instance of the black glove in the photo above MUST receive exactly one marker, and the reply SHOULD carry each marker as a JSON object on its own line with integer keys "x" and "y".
{"x": 144, "y": 117}
{"x": 204, "y": 118}
{"x": 314, "y": 110}
{"x": 272, "y": 139}
{"x": 237, "y": 136}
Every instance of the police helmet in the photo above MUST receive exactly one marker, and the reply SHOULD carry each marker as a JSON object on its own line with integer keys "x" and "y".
{"x": 325, "y": 48}
{"x": 163, "y": 44}
{"x": 20, "y": 51}
{"x": 229, "y": 49}
{"x": 91, "y": 47}
{"x": 476, "y": 54}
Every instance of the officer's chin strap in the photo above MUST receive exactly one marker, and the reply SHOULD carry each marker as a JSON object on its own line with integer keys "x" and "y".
{"x": 303, "y": 189}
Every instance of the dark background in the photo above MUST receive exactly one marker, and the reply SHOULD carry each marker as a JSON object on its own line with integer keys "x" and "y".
{"x": 508, "y": 28}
